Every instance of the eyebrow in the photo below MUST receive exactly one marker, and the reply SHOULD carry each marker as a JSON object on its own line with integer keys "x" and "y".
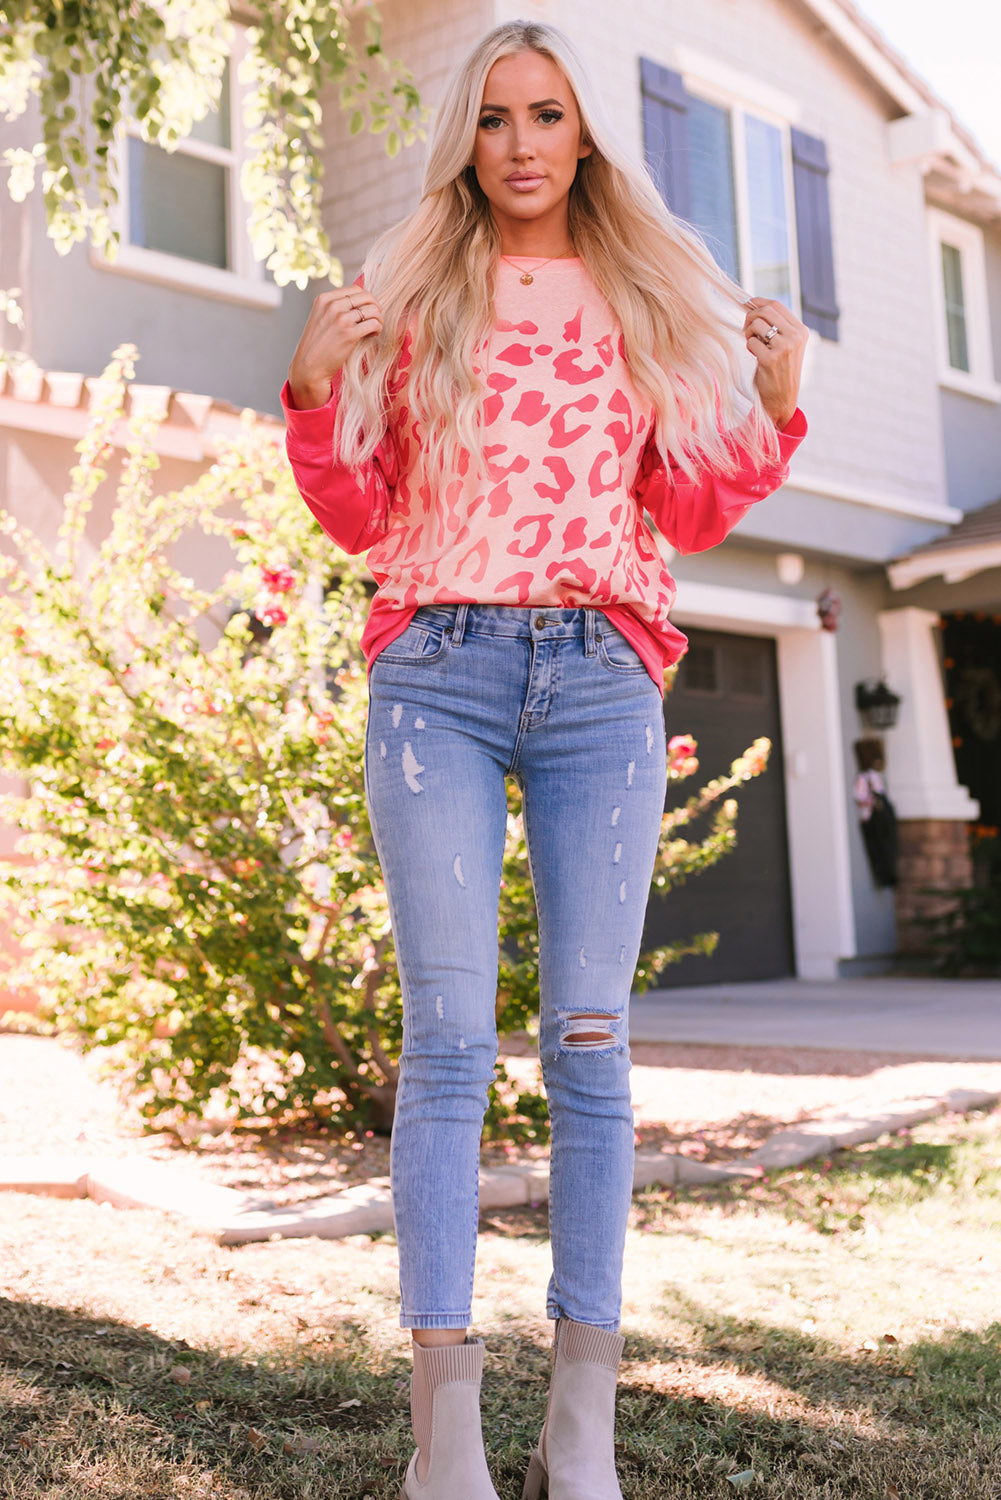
{"x": 502, "y": 109}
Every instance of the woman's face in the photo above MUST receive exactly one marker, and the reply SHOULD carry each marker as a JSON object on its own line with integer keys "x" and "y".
{"x": 528, "y": 144}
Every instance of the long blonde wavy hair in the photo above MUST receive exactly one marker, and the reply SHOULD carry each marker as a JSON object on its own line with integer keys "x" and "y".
{"x": 433, "y": 275}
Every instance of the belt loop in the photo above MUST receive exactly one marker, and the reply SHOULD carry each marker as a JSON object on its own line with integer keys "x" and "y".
{"x": 589, "y": 623}
{"x": 459, "y": 628}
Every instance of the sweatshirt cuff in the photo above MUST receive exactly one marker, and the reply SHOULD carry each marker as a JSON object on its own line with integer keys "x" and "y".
{"x": 308, "y": 429}
{"x": 792, "y": 434}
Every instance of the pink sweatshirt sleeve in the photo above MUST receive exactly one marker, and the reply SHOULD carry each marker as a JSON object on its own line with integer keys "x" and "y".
{"x": 694, "y": 515}
{"x": 351, "y": 505}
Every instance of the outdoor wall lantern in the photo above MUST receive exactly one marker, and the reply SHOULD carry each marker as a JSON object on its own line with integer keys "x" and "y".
{"x": 877, "y": 706}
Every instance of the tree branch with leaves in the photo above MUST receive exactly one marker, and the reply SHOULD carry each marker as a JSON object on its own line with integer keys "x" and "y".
{"x": 95, "y": 65}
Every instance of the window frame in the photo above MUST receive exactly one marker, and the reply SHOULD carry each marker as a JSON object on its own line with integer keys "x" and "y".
{"x": 725, "y": 88}
{"x": 968, "y": 239}
{"x": 243, "y": 280}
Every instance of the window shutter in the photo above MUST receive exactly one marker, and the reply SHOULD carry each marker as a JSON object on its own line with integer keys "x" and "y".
{"x": 665, "y": 134}
{"x": 813, "y": 231}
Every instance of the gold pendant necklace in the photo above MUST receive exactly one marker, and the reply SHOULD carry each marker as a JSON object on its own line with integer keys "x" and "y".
{"x": 527, "y": 277}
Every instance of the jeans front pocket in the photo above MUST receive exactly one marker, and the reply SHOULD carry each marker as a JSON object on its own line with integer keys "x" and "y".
{"x": 615, "y": 652}
{"x": 423, "y": 641}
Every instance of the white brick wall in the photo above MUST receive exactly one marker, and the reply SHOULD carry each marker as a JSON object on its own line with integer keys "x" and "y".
{"x": 872, "y": 397}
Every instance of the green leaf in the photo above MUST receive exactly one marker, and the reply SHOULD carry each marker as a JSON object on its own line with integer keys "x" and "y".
{"x": 357, "y": 124}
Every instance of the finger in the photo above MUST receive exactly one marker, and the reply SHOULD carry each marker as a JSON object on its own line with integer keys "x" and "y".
{"x": 767, "y": 333}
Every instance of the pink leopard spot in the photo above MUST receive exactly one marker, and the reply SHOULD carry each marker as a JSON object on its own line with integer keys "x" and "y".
{"x": 597, "y": 482}
{"x": 621, "y": 433}
{"x": 568, "y": 369}
{"x": 504, "y": 326}
{"x": 563, "y": 436}
{"x": 531, "y": 409}
{"x": 520, "y": 581}
{"x": 603, "y": 540}
{"x": 516, "y": 354}
{"x": 480, "y": 551}
{"x": 562, "y": 477}
{"x": 571, "y": 330}
{"x": 500, "y": 499}
{"x": 575, "y": 534}
{"x": 543, "y": 348}
{"x": 540, "y": 540}
{"x": 496, "y": 470}
{"x": 584, "y": 575}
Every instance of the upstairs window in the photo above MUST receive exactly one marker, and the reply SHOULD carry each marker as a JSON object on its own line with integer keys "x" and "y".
{"x": 182, "y": 218}
{"x": 181, "y": 202}
{"x": 959, "y": 282}
{"x": 754, "y": 186}
{"x": 740, "y": 168}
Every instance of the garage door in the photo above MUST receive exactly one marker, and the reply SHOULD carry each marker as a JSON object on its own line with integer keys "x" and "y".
{"x": 726, "y": 695}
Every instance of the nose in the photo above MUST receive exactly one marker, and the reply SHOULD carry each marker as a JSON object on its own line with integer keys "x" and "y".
{"x": 522, "y": 148}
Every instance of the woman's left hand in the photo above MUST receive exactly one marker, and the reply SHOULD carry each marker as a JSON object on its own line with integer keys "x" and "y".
{"x": 778, "y": 340}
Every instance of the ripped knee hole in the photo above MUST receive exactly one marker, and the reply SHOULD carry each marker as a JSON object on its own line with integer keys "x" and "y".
{"x": 577, "y": 1033}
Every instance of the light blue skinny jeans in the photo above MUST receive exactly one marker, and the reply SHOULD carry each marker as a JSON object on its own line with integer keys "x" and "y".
{"x": 558, "y": 699}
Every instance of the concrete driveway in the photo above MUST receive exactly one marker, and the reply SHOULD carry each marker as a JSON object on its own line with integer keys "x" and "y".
{"x": 958, "y": 1018}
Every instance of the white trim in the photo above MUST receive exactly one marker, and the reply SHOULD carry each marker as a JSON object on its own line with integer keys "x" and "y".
{"x": 953, "y": 564}
{"x": 243, "y": 280}
{"x": 815, "y": 783}
{"x": 189, "y": 276}
{"x": 750, "y": 610}
{"x": 968, "y": 239}
{"x": 900, "y": 505}
{"x": 969, "y": 385}
{"x": 704, "y": 70}
{"x": 840, "y": 24}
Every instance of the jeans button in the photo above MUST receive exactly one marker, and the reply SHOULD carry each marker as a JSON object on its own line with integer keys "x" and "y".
{"x": 540, "y": 621}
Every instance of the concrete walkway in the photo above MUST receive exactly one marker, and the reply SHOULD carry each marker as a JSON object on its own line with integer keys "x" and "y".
{"x": 959, "y": 1018}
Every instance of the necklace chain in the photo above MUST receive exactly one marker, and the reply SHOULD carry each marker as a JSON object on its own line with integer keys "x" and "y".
{"x": 527, "y": 277}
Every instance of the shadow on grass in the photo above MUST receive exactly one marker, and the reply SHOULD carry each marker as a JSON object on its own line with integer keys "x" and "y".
{"x": 97, "y": 1407}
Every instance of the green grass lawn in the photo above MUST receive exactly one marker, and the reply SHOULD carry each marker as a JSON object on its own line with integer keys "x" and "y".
{"x": 834, "y": 1331}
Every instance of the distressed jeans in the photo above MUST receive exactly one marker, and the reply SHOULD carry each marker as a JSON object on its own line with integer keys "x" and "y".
{"x": 558, "y": 699}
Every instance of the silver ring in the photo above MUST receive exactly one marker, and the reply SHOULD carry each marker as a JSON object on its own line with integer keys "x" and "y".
{"x": 769, "y": 334}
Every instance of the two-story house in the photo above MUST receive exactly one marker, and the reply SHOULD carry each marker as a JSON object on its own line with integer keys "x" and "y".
{"x": 820, "y": 170}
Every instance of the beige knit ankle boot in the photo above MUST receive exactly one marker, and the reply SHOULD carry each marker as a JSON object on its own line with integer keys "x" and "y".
{"x": 575, "y": 1459}
{"x": 445, "y": 1411}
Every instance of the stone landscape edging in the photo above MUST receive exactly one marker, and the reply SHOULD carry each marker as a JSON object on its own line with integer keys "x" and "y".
{"x": 236, "y": 1218}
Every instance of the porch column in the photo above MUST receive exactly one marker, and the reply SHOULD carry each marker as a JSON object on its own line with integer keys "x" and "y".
{"x": 932, "y": 806}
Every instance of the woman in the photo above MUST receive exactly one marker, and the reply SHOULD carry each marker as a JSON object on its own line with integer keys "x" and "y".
{"x": 536, "y": 356}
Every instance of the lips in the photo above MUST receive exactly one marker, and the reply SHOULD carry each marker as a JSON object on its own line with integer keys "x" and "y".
{"x": 523, "y": 182}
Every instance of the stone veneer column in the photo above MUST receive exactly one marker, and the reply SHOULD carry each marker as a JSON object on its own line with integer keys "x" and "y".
{"x": 933, "y": 808}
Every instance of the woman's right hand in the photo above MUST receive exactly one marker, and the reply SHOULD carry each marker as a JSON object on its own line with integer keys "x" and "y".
{"x": 337, "y": 322}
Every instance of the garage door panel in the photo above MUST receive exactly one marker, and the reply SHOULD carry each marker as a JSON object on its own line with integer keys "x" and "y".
{"x": 726, "y": 695}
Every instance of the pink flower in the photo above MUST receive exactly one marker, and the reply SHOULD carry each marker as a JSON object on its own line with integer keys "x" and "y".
{"x": 681, "y": 747}
{"x": 272, "y": 614}
{"x": 344, "y": 838}
{"x": 104, "y": 744}
{"x": 278, "y": 580}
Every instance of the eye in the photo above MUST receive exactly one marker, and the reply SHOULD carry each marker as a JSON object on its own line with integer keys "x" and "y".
{"x": 488, "y": 122}
{"x": 551, "y": 116}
